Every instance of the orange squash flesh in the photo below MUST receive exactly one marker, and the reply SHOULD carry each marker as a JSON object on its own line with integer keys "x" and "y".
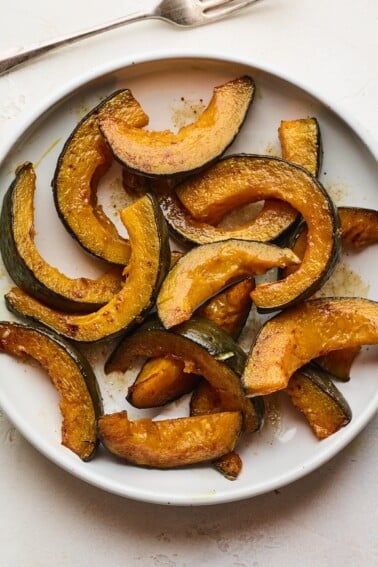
{"x": 339, "y": 362}
{"x": 301, "y": 143}
{"x": 155, "y": 153}
{"x": 161, "y": 380}
{"x": 324, "y": 412}
{"x": 148, "y": 265}
{"x": 31, "y": 272}
{"x": 230, "y": 465}
{"x": 230, "y": 308}
{"x": 152, "y": 341}
{"x": 359, "y": 226}
{"x": 238, "y": 180}
{"x": 207, "y": 269}
{"x": 84, "y": 158}
{"x": 275, "y": 218}
{"x": 304, "y": 332}
{"x": 172, "y": 442}
{"x": 205, "y": 399}
{"x": 70, "y": 374}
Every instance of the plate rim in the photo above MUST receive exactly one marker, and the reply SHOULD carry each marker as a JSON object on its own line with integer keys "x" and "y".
{"x": 344, "y": 437}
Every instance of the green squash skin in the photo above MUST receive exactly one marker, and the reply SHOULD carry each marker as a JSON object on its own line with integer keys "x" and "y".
{"x": 181, "y": 224}
{"x": 192, "y": 170}
{"x": 322, "y": 379}
{"x": 79, "y": 360}
{"x": 206, "y": 334}
{"x": 334, "y": 217}
{"x": 164, "y": 265}
{"x": 15, "y": 265}
{"x": 55, "y": 181}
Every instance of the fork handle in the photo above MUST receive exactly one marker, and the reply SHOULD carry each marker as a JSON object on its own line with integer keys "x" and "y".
{"x": 8, "y": 63}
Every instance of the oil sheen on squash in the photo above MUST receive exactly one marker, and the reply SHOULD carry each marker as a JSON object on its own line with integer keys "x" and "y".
{"x": 70, "y": 373}
{"x": 148, "y": 265}
{"x": 301, "y": 143}
{"x": 157, "y": 153}
{"x": 237, "y": 180}
{"x": 84, "y": 159}
{"x": 205, "y": 349}
{"x": 30, "y": 271}
{"x": 321, "y": 402}
{"x": 171, "y": 442}
{"x": 274, "y": 220}
{"x": 207, "y": 269}
{"x": 304, "y": 332}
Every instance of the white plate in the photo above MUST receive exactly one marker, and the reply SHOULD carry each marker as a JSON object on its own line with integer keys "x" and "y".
{"x": 169, "y": 88}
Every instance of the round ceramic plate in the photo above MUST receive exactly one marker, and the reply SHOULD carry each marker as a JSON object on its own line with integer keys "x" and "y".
{"x": 173, "y": 90}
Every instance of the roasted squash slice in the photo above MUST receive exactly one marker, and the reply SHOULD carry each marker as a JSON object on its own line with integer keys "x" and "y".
{"x": 170, "y": 443}
{"x": 275, "y": 219}
{"x": 163, "y": 379}
{"x": 315, "y": 395}
{"x": 306, "y": 331}
{"x": 230, "y": 465}
{"x": 80, "y": 400}
{"x": 230, "y": 308}
{"x": 206, "y": 269}
{"x": 205, "y": 399}
{"x": 84, "y": 158}
{"x": 160, "y": 381}
{"x": 339, "y": 362}
{"x": 155, "y": 153}
{"x": 148, "y": 265}
{"x": 30, "y": 271}
{"x": 205, "y": 349}
{"x": 237, "y": 180}
{"x": 359, "y": 226}
{"x": 301, "y": 143}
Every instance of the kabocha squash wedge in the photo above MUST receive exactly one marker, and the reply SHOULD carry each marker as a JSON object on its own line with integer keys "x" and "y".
{"x": 84, "y": 158}
{"x": 237, "y": 180}
{"x": 29, "y": 270}
{"x": 206, "y": 399}
{"x": 170, "y": 443}
{"x": 160, "y": 381}
{"x": 80, "y": 400}
{"x": 303, "y": 332}
{"x": 315, "y": 395}
{"x": 155, "y": 153}
{"x": 163, "y": 379}
{"x": 359, "y": 226}
{"x": 206, "y": 269}
{"x": 148, "y": 265}
{"x": 301, "y": 143}
{"x": 230, "y": 465}
{"x": 339, "y": 362}
{"x": 272, "y": 223}
{"x": 230, "y": 308}
{"x": 205, "y": 349}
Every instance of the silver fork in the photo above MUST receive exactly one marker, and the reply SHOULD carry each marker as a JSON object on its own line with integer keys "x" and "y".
{"x": 184, "y": 13}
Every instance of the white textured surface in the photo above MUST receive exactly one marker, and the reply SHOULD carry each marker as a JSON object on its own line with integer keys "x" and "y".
{"x": 329, "y": 517}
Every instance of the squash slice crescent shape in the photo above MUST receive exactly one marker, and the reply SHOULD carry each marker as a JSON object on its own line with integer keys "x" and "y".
{"x": 306, "y": 331}
{"x": 171, "y": 442}
{"x": 84, "y": 158}
{"x": 205, "y": 270}
{"x": 154, "y": 153}
{"x": 240, "y": 179}
{"x": 80, "y": 400}
{"x": 148, "y": 265}
{"x": 30, "y": 271}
